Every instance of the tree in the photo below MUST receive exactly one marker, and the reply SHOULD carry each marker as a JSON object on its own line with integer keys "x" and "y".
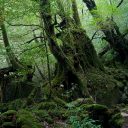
{"x": 111, "y": 31}
{"x": 13, "y": 60}
{"x": 76, "y": 57}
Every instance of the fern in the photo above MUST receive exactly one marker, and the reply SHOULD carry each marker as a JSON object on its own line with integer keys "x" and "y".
{"x": 85, "y": 123}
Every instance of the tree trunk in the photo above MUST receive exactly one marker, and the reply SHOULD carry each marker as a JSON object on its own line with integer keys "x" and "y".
{"x": 13, "y": 60}
{"x": 79, "y": 69}
{"x": 111, "y": 32}
{"x": 77, "y": 54}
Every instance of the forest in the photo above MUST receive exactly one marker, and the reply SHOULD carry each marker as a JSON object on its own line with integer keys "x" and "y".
{"x": 63, "y": 64}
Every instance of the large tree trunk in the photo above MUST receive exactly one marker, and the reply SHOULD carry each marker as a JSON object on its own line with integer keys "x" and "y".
{"x": 76, "y": 58}
{"x": 111, "y": 32}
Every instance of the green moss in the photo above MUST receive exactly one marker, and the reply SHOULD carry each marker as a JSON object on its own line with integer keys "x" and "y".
{"x": 80, "y": 101}
{"x": 43, "y": 115}
{"x": 117, "y": 120}
{"x": 9, "y": 112}
{"x": 60, "y": 102}
{"x": 103, "y": 88}
{"x": 17, "y": 104}
{"x": 8, "y": 124}
{"x": 25, "y": 126}
{"x": 26, "y": 118}
{"x": 47, "y": 105}
{"x": 57, "y": 112}
{"x": 97, "y": 107}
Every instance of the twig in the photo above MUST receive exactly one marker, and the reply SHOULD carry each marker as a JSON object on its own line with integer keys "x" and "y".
{"x": 120, "y": 3}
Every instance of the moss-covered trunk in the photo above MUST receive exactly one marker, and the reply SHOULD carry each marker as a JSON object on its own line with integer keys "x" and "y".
{"x": 76, "y": 55}
{"x": 77, "y": 59}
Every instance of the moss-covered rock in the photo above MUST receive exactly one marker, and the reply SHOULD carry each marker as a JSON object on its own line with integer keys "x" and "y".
{"x": 46, "y": 105}
{"x": 109, "y": 118}
{"x": 17, "y": 88}
{"x": 103, "y": 88}
{"x": 26, "y": 119}
{"x": 78, "y": 102}
{"x": 117, "y": 120}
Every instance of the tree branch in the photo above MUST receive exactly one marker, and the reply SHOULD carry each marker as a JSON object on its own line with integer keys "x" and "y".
{"x": 21, "y": 25}
{"x": 30, "y": 49}
{"x": 34, "y": 39}
{"x": 120, "y": 3}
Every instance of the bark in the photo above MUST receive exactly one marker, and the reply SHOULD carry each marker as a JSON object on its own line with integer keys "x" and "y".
{"x": 111, "y": 32}
{"x": 75, "y": 57}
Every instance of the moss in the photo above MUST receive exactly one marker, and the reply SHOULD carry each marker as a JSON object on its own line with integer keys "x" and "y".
{"x": 97, "y": 112}
{"x": 25, "y": 126}
{"x": 17, "y": 104}
{"x": 60, "y": 102}
{"x": 8, "y": 124}
{"x": 9, "y": 112}
{"x": 43, "y": 115}
{"x": 107, "y": 117}
{"x": 57, "y": 112}
{"x": 47, "y": 105}
{"x": 17, "y": 88}
{"x": 117, "y": 120}
{"x": 103, "y": 88}
{"x": 97, "y": 107}
{"x": 78, "y": 102}
{"x": 26, "y": 118}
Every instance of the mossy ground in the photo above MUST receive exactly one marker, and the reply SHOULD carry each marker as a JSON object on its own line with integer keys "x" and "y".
{"x": 105, "y": 88}
{"x": 56, "y": 113}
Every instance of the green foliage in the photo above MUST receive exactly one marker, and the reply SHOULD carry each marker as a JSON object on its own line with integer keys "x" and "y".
{"x": 16, "y": 104}
{"x": 84, "y": 123}
{"x": 9, "y": 112}
{"x": 47, "y": 105}
{"x": 8, "y": 124}
{"x": 43, "y": 115}
{"x": 27, "y": 119}
{"x": 60, "y": 102}
{"x": 117, "y": 120}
